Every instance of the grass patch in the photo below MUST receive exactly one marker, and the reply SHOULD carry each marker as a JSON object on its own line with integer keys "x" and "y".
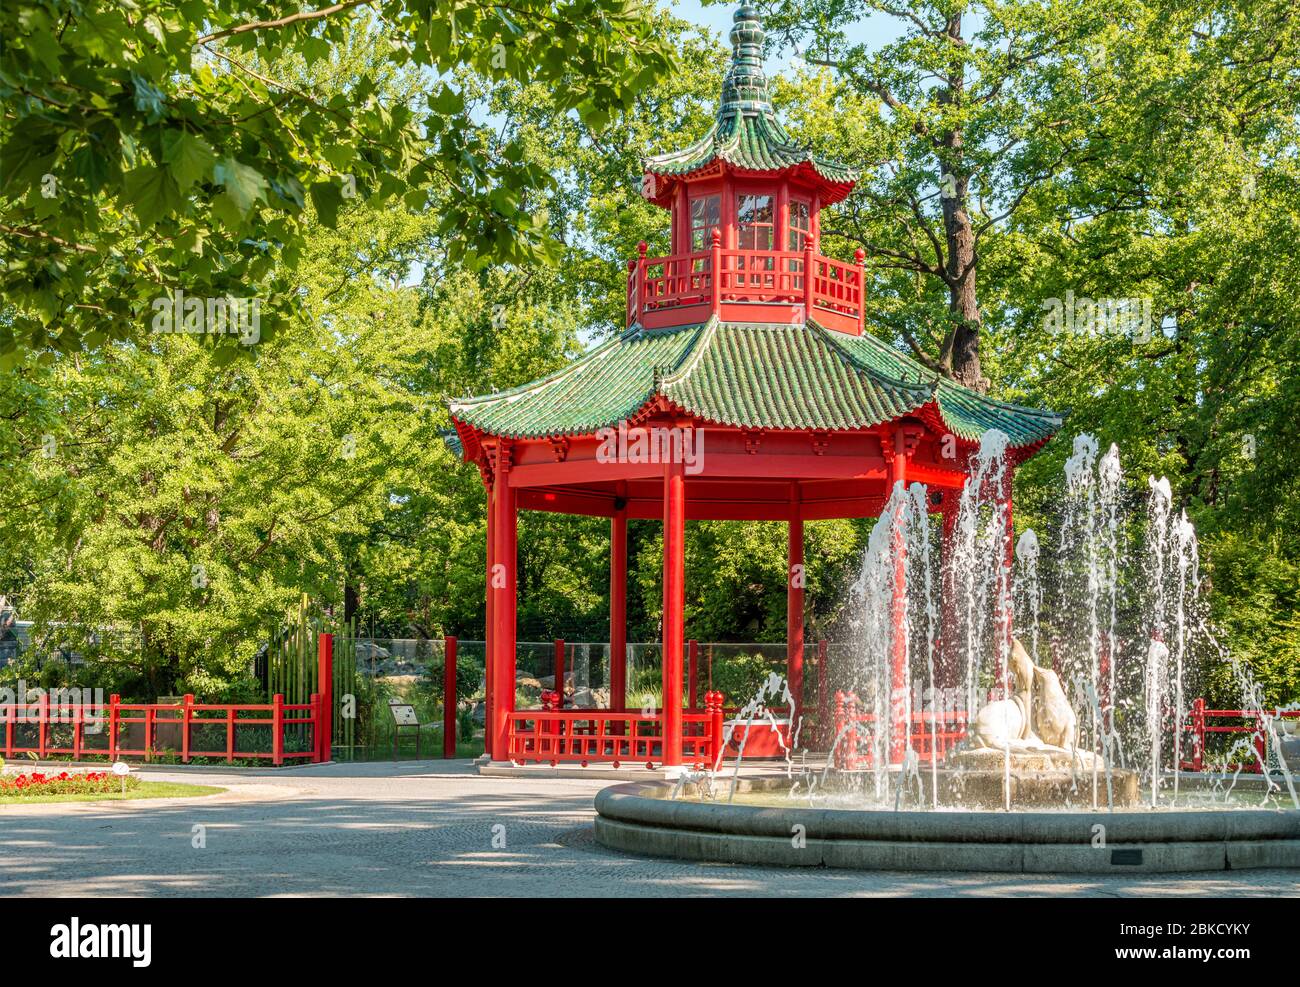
{"x": 145, "y": 790}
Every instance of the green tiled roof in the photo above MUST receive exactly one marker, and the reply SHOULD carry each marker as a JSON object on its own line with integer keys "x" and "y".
{"x": 747, "y": 133}
{"x": 784, "y": 376}
{"x": 966, "y": 413}
{"x": 746, "y": 375}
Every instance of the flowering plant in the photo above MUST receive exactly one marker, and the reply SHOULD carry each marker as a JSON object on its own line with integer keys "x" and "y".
{"x": 35, "y": 784}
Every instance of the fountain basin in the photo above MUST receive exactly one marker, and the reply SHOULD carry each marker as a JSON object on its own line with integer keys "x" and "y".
{"x": 643, "y": 818}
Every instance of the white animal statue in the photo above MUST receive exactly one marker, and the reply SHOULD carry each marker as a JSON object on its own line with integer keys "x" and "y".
{"x": 1035, "y": 717}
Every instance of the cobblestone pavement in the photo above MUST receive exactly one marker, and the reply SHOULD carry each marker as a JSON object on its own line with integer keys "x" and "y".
{"x": 427, "y": 828}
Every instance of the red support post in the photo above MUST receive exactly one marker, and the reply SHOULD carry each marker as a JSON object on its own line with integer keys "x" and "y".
{"x": 898, "y": 697}
{"x": 841, "y": 759}
{"x": 187, "y": 711}
{"x": 114, "y": 700}
{"x": 808, "y": 264}
{"x": 1198, "y": 724}
{"x": 674, "y": 587}
{"x": 76, "y": 732}
{"x": 823, "y": 708}
{"x": 148, "y": 732}
{"x": 277, "y": 729}
{"x": 11, "y": 714}
{"x": 559, "y": 669}
{"x": 43, "y": 722}
{"x": 618, "y": 610}
{"x": 794, "y": 608}
{"x": 713, "y": 706}
{"x": 449, "y": 697}
{"x": 504, "y": 524}
{"x": 324, "y": 729}
{"x": 860, "y": 259}
{"x": 692, "y": 674}
{"x": 230, "y": 734}
{"x": 715, "y": 272}
{"x": 640, "y": 279}
{"x": 489, "y": 673}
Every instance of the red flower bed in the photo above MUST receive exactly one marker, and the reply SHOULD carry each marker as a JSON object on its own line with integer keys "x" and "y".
{"x": 35, "y": 784}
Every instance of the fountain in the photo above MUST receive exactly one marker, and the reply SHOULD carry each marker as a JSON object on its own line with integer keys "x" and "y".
{"x": 1060, "y": 747}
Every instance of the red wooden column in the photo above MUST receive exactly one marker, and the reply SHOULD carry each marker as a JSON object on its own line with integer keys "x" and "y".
{"x": 489, "y": 675}
{"x": 503, "y": 584}
{"x": 1004, "y": 588}
{"x": 618, "y": 610}
{"x": 794, "y": 580}
{"x": 325, "y": 689}
{"x": 559, "y": 669}
{"x": 898, "y": 704}
{"x": 948, "y": 665}
{"x": 449, "y": 699}
{"x": 674, "y": 631}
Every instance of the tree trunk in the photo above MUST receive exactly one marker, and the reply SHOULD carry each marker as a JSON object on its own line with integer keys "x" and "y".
{"x": 961, "y": 354}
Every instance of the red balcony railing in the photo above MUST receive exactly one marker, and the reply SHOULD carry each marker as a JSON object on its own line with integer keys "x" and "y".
{"x": 746, "y": 286}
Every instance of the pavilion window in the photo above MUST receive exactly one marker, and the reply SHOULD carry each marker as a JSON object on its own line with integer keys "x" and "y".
{"x": 797, "y": 234}
{"x": 755, "y": 230}
{"x": 706, "y": 216}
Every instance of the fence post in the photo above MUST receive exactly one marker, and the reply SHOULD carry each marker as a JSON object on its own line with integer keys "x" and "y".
{"x": 148, "y": 732}
{"x": 713, "y": 706}
{"x": 860, "y": 260}
{"x": 559, "y": 670}
{"x": 314, "y": 702}
{"x": 43, "y": 717}
{"x": 692, "y": 674}
{"x": 808, "y": 263}
{"x": 1261, "y": 749}
{"x": 187, "y": 711}
{"x": 113, "y": 701}
{"x": 1198, "y": 725}
{"x": 823, "y": 706}
{"x": 230, "y": 734}
{"x": 715, "y": 271}
{"x": 11, "y": 715}
{"x": 277, "y": 729}
{"x": 76, "y": 732}
{"x": 449, "y": 697}
{"x": 641, "y": 282}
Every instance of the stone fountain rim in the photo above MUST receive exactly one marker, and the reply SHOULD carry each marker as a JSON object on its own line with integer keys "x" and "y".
{"x": 647, "y": 804}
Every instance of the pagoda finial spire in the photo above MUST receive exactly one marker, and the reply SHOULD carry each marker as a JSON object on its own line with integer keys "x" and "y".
{"x": 744, "y": 89}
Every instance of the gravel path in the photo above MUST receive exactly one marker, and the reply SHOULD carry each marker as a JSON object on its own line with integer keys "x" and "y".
{"x": 436, "y": 828}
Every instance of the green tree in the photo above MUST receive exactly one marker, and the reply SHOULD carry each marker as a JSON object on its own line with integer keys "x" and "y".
{"x": 149, "y": 146}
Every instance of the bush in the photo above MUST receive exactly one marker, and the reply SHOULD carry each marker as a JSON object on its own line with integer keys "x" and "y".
{"x": 468, "y": 679}
{"x": 739, "y": 677}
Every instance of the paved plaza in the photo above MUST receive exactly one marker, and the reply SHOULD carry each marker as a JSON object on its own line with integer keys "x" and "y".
{"x": 437, "y": 828}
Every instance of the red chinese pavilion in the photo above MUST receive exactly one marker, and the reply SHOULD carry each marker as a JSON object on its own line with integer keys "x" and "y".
{"x": 747, "y": 385}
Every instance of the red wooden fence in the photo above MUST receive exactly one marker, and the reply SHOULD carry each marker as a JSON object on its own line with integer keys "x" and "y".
{"x": 931, "y": 735}
{"x": 150, "y": 730}
{"x": 1198, "y": 726}
{"x": 581, "y": 736}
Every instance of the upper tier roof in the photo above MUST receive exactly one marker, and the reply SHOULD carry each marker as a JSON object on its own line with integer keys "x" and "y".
{"x": 746, "y": 133}
{"x": 750, "y": 376}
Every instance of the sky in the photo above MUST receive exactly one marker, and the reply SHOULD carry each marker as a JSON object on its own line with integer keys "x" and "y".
{"x": 874, "y": 30}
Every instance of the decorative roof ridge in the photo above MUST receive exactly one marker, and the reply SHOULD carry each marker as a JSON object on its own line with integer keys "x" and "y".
{"x": 1024, "y": 409}
{"x": 535, "y": 385}
{"x": 827, "y": 337}
{"x": 942, "y": 382}
{"x": 691, "y": 357}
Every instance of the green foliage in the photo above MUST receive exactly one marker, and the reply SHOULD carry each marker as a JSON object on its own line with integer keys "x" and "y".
{"x": 739, "y": 677}
{"x": 150, "y": 145}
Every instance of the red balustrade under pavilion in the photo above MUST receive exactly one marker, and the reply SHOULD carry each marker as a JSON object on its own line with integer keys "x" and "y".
{"x": 746, "y": 386}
